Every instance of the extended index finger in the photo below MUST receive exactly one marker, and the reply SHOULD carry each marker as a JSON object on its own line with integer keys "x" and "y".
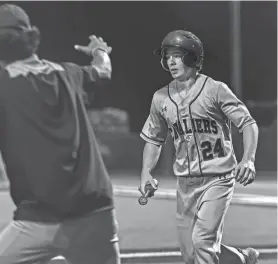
{"x": 81, "y": 48}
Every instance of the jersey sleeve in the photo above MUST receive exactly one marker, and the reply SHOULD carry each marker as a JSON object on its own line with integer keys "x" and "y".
{"x": 233, "y": 108}
{"x": 155, "y": 129}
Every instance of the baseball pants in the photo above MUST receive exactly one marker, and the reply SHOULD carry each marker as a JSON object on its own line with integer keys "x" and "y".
{"x": 202, "y": 203}
{"x": 85, "y": 240}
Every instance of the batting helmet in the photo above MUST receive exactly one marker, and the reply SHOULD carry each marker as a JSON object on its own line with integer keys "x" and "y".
{"x": 189, "y": 43}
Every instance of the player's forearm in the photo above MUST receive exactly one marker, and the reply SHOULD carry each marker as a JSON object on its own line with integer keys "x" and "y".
{"x": 151, "y": 155}
{"x": 250, "y": 141}
{"x": 102, "y": 64}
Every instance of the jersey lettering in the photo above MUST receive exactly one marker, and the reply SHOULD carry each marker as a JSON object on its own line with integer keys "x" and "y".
{"x": 214, "y": 127}
{"x": 206, "y": 126}
{"x": 187, "y": 130}
{"x": 197, "y": 125}
{"x": 193, "y": 125}
{"x": 178, "y": 129}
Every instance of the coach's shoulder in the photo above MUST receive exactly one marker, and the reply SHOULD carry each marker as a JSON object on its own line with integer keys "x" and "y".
{"x": 53, "y": 65}
{"x": 69, "y": 66}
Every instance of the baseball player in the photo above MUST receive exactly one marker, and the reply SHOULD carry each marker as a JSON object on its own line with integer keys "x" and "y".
{"x": 197, "y": 112}
{"x": 58, "y": 181}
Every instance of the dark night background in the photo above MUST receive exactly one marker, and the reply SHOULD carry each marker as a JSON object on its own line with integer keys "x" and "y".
{"x": 134, "y": 29}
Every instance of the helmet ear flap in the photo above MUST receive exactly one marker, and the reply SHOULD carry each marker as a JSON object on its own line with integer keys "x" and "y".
{"x": 164, "y": 64}
{"x": 189, "y": 59}
{"x": 163, "y": 60}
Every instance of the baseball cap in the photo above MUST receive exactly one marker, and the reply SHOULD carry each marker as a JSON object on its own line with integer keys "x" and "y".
{"x": 13, "y": 16}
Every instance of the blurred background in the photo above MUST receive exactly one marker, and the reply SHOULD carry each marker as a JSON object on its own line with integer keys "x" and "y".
{"x": 240, "y": 42}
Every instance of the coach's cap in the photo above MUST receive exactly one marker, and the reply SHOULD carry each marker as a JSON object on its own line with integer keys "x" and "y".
{"x": 13, "y": 16}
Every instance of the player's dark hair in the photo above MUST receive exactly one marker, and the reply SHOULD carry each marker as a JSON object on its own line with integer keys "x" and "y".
{"x": 18, "y": 44}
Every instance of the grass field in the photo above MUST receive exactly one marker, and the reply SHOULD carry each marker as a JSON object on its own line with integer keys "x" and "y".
{"x": 152, "y": 227}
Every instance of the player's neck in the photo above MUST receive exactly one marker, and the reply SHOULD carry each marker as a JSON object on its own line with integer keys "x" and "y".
{"x": 188, "y": 81}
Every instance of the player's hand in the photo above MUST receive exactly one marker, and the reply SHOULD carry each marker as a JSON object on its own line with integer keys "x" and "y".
{"x": 245, "y": 172}
{"x": 147, "y": 178}
{"x": 95, "y": 45}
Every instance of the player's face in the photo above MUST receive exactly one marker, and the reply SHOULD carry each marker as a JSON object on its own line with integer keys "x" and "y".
{"x": 176, "y": 66}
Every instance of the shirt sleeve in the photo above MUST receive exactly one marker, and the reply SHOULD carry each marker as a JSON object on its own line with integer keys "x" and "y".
{"x": 83, "y": 79}
{"x": 155, "y": 129}
{"x": 89, "y": 74}
{"x": 233, "y": 108}
{"x": 82, "y": 74}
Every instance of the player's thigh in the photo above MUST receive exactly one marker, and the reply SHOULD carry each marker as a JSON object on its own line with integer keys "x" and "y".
{"x": 184, "y": 229}
{"x": 25, "y": 242}
{"x": 212, "y": 209}
{"x": 95, "y": 240}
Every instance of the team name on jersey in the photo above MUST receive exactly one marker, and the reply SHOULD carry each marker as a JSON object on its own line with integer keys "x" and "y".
{"x": 194, "y": 125}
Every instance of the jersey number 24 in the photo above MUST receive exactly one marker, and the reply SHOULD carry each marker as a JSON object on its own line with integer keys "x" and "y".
{"x": 209, "y": 152}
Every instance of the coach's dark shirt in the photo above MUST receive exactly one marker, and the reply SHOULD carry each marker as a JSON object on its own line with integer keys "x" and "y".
{"x": 47, "y": 142}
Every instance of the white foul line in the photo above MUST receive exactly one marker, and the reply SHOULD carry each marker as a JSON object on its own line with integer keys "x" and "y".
{"x": 177, "y": 254}
{"x": 168, "y": 254}
{"x": 170, "y": 194}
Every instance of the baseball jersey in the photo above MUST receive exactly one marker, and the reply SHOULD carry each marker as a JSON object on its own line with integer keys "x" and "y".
{"x": 200, "y": 125}
{"x": 47, "y": 141}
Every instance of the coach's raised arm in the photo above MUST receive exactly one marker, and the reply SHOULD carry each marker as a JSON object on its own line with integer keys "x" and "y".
{"x": 100, "y": 69}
